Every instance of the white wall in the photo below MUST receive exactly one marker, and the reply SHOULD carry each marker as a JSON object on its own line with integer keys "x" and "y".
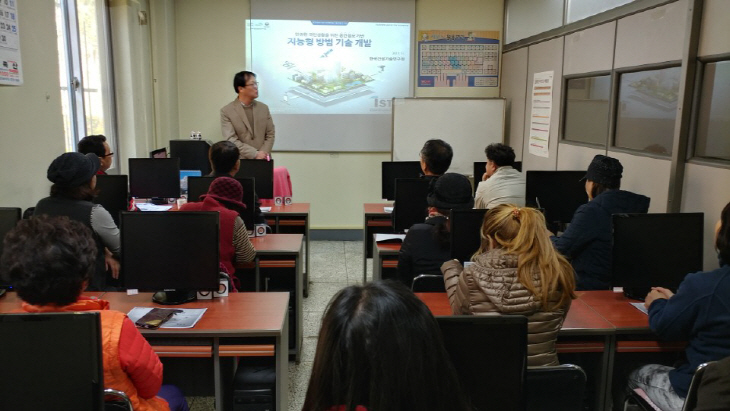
{"x": 210, "y": 50}
{"x": 32, "y": 126}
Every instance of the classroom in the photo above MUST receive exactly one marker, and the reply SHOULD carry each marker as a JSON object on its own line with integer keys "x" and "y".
{"x": 172, "y": 62}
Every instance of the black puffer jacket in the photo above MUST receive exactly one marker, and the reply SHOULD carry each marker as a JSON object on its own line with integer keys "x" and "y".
{"x": 588, "y": 240}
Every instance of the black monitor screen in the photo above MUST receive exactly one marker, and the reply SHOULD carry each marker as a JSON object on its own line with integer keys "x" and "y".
{"x": 410, "y": 199}
{"x": 113, "y": 194}
{"x": 478, "y": 343}
{"x": 656, "y": 250}
{"x": 198, "y": 186}
{"x": 154, "y": 177}
{"x": 466, "y": 226}
{"x": 559, "y": 193}
{"x": 9, "y": 217}
{"x": 170, "y": 250}
{"x": 55, "y": 359}
{"x": 480, "y": 167}
{"x": 390, "y": 170}
{"x": 193, "y": 154}
{"x": 263, "y": 172}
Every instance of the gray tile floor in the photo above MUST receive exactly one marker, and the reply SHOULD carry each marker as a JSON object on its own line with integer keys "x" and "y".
{"x": 334, "y": 265}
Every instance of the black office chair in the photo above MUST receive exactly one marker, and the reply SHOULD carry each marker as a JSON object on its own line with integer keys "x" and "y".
{"x": 635, "y": 400}
{"x": 428, "y": 283}
{"x": 555, "y": 388}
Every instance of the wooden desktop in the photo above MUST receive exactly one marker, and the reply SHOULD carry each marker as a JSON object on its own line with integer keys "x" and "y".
{"x": 376, "y": 220}
{"x": 263, "y": 316}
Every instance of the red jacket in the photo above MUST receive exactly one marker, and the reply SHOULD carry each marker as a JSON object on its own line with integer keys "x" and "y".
{"x": 227, "y": 222}
{"x": 130, "y": 364}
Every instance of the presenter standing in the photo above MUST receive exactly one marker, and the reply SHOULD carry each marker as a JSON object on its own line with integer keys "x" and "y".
{"x": 246, "y": 122}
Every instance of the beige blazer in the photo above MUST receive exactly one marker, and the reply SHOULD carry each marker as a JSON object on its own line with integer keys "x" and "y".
{"x": 235, "y": 128}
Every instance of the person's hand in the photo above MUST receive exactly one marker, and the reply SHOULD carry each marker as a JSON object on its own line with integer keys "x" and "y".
{"x": 261, "y": 155}
{"x": 111, "y": 264}
{"x": 441, "y": 80}
{"x": 461, "y": 81}
{"x": 657, "y": 293}
{"x": 485, "y": 176}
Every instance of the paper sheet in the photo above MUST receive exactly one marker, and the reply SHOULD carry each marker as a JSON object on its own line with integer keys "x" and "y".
{"x": 152, "y": 207}
{"x": 641, "y": 307}
{"x": 389, "y": 238}
{"x": 186, "y": 319}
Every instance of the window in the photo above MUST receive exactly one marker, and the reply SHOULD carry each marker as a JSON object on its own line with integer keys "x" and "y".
{"x": 713, "y": 119}
{"x": 586, "y": 109}
{"x": 85, "y": 70}
{"x": 647, "y": 109}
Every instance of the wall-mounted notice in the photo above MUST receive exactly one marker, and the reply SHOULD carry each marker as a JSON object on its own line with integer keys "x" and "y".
{"x": 11, "y": 72}
{"x": 542, "y": 104}
{"x": 453, "y": 58}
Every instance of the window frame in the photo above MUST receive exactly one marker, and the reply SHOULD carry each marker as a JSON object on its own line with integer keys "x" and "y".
{"x": 564, "y": 111}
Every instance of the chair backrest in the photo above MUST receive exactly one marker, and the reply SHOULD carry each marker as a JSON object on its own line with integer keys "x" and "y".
{"x": 411, "y": 204}
{"x": 489, "y": 353}
{"x": 555, "y": 388}
{"x": 428, "y": 283}
{"x": 52, "y": 361}
{"x": 692, "y": 399}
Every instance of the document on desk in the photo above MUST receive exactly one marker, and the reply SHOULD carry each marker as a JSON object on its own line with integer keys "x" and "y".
{"x": 265, "y": 209}
{"x": 641, "y": 307}
{"x": 388, "y": 209}
{"x": 152, "y": 207}
{"x": 389, "y": 238}
{"x": 185, "y": 319}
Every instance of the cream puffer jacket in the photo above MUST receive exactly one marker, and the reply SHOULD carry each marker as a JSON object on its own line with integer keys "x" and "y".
{"x": 491, "y": 285}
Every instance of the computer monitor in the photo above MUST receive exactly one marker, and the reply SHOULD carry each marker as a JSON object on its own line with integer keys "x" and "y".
{"x": 496, "y": 343}
{"x": 466, "y": 227}
{"x": 411, "y": 205}
{"x": 159, "y": 153}
{"x": 560, "y": 193}
{"x": 193, "y": 154}
{"x": 53, "y": 361}
{"x": 263, "y": 172}
{"x": 198, "y": 186}
{"x": 390, "y": 170}
{"x": 651, "y": 250}
{"x": 480, "y": 168}
{"x": 170, "y": 251}
{"x": 113, "y": 194}
{"x": 184, "y": 174}
{"x": 154, "y": 177}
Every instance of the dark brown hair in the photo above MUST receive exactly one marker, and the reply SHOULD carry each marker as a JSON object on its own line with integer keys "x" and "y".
{"x": 380, "y": 347}
{"x": 723, "y": 236}
{"x": 47, "y": 259}
{"x": 83, "y": 192}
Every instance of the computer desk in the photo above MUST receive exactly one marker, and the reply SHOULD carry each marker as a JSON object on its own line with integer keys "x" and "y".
{"x": 385, "y": 255}
{"x": 217, "y": 334}
{"x": 376, "y": 221}
{"x": 281, "y": 251}
{"x": 293, "y": 218}
{"x": 597, "y": 322}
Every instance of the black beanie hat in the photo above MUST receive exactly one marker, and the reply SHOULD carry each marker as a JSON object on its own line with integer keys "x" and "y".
{"x": 605, "y": 171}
{"x": 451, "y": 191}
{"x": 73, "y": 169}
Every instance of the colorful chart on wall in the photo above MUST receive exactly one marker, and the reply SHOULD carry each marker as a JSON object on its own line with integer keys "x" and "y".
{"x": 456, "y": 58}
{"x": 10, "y": 66}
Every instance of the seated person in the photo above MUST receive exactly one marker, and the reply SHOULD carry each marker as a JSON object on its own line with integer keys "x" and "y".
{"x": 97, "y": 144}
{"x": 427, "y": 244}
{"x": 700, "y": 314}
{"x": 224, "y": 161}
{"x": 588, "y": 240}
{"x": 74, "y": 185}
{"x": 501, "y": 184}
{"x": 224, "y": 197}
{"x": 516, "y": 271}
{"x": 380, "y": 348}
{"x": 435, "y": 157}
{"x": 49, "y": 261}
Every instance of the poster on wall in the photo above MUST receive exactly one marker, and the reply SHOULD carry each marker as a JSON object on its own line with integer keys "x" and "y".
{"x": 458, "y": 58}
{"x": 11, "y": 72}
{"x": 542, "y": 104}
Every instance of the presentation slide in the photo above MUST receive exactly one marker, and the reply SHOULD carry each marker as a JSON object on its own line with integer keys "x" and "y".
{"x": 329, "y": 67}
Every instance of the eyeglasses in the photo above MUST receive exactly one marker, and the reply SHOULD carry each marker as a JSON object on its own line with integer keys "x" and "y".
{"x": 107, "y": 155}
{"x": 254, "y": 84}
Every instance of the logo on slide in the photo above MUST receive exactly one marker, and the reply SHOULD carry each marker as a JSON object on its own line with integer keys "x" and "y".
{"x": 381, "y": 102}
